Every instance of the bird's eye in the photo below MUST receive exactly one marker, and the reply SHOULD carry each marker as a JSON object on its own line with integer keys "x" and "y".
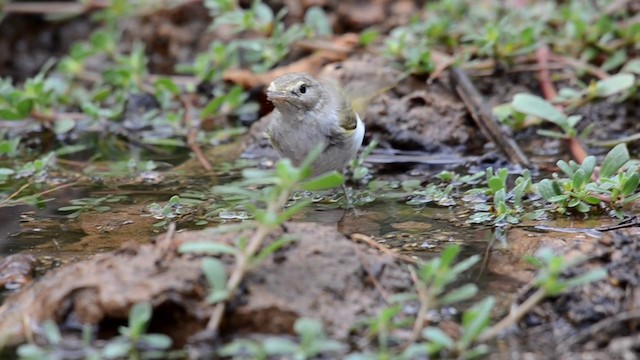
{"x": 303, "y": 89}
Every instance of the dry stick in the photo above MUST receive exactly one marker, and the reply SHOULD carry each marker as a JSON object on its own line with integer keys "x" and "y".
{"x": 548, "y": 90}
{"x": 513, "y": 316}
{"x": 596, "y": 328}
{"x": 38, "y": 194}
{"x": 40, "y": 7}
{"x": 193, "y": 133}
{"x": 242, "y": 261}
{"x": 614, "y": 142}
{"x": 578, "y": 64}
{"x": 372, "y": 277}
{"x": 484, "y": 118}
{"x": 383, "y": 249}
{"x": 425, "y": 299}
{"x": 26, "y": 185}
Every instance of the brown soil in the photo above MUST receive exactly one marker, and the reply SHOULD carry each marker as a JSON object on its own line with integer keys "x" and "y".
{"x": 322, "y": 275}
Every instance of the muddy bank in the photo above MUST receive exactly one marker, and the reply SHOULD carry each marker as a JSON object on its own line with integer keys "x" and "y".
{"x": 322, "y": 275}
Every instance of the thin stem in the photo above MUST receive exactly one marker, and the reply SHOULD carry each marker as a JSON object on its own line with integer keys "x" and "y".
{"x": 425, "y": 301}
{"x": 243, "y": 258}
{"x": 514, "y": 316}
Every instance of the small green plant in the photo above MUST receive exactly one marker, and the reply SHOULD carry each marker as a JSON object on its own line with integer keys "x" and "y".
{"x": 535, "y": 106}
{"x": 311, "y": 343}
{"x": 550, "y": 281}
{"x": 434, "y": 280}
{"x": 356, "y": 166}
{"x": 617, "y": 85}
{"x": 265, "y": 204}
{"x": 174, "y": 209}
{"x": 507, "y": 204}
{"x": 616, "y": 185}
{"x": 133, "y": 341}
{"x": 84, "y": 205}
{"x": 51, "y": 336}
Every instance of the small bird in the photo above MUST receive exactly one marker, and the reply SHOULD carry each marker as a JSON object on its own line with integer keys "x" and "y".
{"x": 309, "y": 112}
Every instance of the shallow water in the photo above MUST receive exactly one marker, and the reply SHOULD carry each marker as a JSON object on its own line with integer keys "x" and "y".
{"x": 420, "y": 232}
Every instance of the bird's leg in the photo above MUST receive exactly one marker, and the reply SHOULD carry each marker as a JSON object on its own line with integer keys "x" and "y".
{"x": 350, "y": 204}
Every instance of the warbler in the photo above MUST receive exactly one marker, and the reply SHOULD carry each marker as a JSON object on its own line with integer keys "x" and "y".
{"x": 309, "y": 112}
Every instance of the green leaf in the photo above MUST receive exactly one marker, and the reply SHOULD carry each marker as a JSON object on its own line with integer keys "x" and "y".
{"x": 475, "y": 320}
{"x": 24, "y": 107}
{"x": 583, "y": 207}
{"x": 632, "y": 66}
{"x": 70, "y": 208}
{"x": 116, "y": 350}
{"x": 10, "y": 115}
{"x": 216, "y": 296}
{"x": 215, "y": 273}
{"x": 578, "y": 179}
{"x": 591, "y": 276}
{"x": 139, "y": 316}
{"x": 6, "y": 172}
{"x": 207, "y": 247}
{"x": 495, "y": 184}
{"x": 322, "y": 182}
{"x": 551, "y": 134}
{"x": 566, "y": 168}
{"x": 614, "y": 84}
{"x": 438, "y": 336}
{"x": 52, "y": 332}
{"x": 462, "y": 293}
{"x": 157, "y": 341}
{"x": 631, "y": 184}
{"x": 212, "y": 107}
{"x": 317, "y": 19}
{"x": 279, "y": 346}
{"x": 271, "y": 248}
{"x": 615, "y": 159}
{"x": 590, "y": 199}
{"x": 538, "y": 107}
{"x": 588, "y": 164}
{"x": 308, "y": 326}
{"x": 31, "y": 352}
{"x": 369, "y": 36}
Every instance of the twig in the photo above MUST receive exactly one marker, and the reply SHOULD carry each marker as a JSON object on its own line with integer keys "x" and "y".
{"x": 443, "y": 62}
{"x": 26, "y": 185}
{"x": 578, "y": 64}
{"x": 193, "y": 133}
{"x": 425, "y": 300}
{"x": 626, "y": 223}
{"x": 383, "y": 249}
{"x": 41, "y": 7}
{"x": 2, "y": 203}
{"x": 167, "y": 242}
{"x": 596, "y": 328}
{"x": 372, "y": 277}
{"x": 483, "y": 117}
{"x": 513, "y": 316}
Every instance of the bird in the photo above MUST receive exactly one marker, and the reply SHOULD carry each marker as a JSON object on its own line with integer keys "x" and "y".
{"x": 308, "y": 112}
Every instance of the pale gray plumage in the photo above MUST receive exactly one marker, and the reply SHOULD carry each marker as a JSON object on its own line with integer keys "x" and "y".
{"x": 311, "y": 112}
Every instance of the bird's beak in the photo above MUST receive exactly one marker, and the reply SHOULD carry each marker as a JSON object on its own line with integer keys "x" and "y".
{"x": 274, "y": 95}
